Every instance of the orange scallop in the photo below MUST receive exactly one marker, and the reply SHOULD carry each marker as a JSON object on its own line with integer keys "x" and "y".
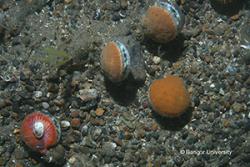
{"x": 115, "y": 61}
{"x": 163, "y": 21}
{"x": 169, "y": 97}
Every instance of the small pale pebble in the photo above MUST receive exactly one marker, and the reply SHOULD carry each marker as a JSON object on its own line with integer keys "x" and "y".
{"x": 65, "y": 124}
{"x": 16, "y": 131}
{"x": 88, "y": 94}
{"x": 156, "y": 60}
{"x": 221, "y": 91}
{"x": 99, "y": 111}
{"x": 212, "y": 86}
{"x": 38, "y": 94}
{"x": 72, "y": 160}
{"x": 45, "y": 105}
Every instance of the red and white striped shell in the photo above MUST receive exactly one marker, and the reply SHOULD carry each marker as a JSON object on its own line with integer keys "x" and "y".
{"x": 40, "y": 131}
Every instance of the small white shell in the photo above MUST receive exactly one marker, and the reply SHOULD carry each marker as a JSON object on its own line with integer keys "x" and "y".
{"x": 38, "y": 129}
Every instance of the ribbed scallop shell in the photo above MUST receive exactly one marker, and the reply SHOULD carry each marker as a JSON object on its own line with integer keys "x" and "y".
{"x": 163, "y": 21}
{"x": 115, "y": 61}
{"x": 51, "y": 134}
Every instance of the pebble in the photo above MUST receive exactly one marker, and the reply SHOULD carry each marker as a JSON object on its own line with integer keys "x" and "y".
{"x": 45, "y": 105}
{"x": 99, "y": 111}
{"x": 237, "y": 107}
{"x": 88, "y": 94}
{"x": 84, "y": 130}
{"x": 98, "y": 122}
{"x": 118, "y": 141}
{"x": 156, "y": 60}
{"x": 75, "y": 123}
{"x": 74, "y": 113}
{"x": 97, "y": 133}
{"x": 72, "y": 160}
{"x": 38, "y": 94}
{"x": 59, "y": 102}
{"x": 108, "y": 149}
{"x": 65, "y": 124}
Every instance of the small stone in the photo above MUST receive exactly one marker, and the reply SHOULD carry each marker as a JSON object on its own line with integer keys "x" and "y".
{"x": 84, "y": 130}
{"x": 99, "y": 111}
{"x": 65, "y": 124}
{"x": 98, "y": 122}
{"x": 156, "y": 60}
{"x": 221, "y": 91}
{"x": 72, "y": 160}
{"x": 127, "y": 135}
{"x": 75, "y": 123}
{"x": 74, "y": 114}
{"x": 212, "y": 86}
{"x": 97, "y": 133}
{"x": 194, "y": 69}
{"x": 38, "y": 94}
{"x": 88, "y": 94}
{"x": 45, "y": 105}
{"x": 109, "y": 149}
{"x": 237, "y": 107}
{"x": 140, "y": 133}
{"x": 226, "y": 123}
{"x": 155, "y": 126}
{"x": 118, "y": 141}
{"x": 124, "y": 4}
{"x": 59, "y": 102}
{"x": 16, "y": 131}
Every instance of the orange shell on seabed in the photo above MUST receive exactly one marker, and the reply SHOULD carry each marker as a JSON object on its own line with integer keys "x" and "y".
{"x": 159, "y": 24}
{"x": 51, "y": 132}
{"x": 169, "y": 97}
{"x": 113, "y": 61}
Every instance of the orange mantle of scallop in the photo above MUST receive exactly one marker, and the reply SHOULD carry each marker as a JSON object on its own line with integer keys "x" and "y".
{"x": 169, "y": 97}
{"x": 159, "y": 24}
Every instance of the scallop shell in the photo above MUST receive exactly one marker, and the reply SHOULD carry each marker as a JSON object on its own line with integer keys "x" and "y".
{"x": 115, "y": 61}
{"x": 40, "y": 131}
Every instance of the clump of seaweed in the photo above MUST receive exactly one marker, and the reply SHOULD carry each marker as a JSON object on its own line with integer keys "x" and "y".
{"x": 56, "y": 57}
{"x": 53, "y": 58}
